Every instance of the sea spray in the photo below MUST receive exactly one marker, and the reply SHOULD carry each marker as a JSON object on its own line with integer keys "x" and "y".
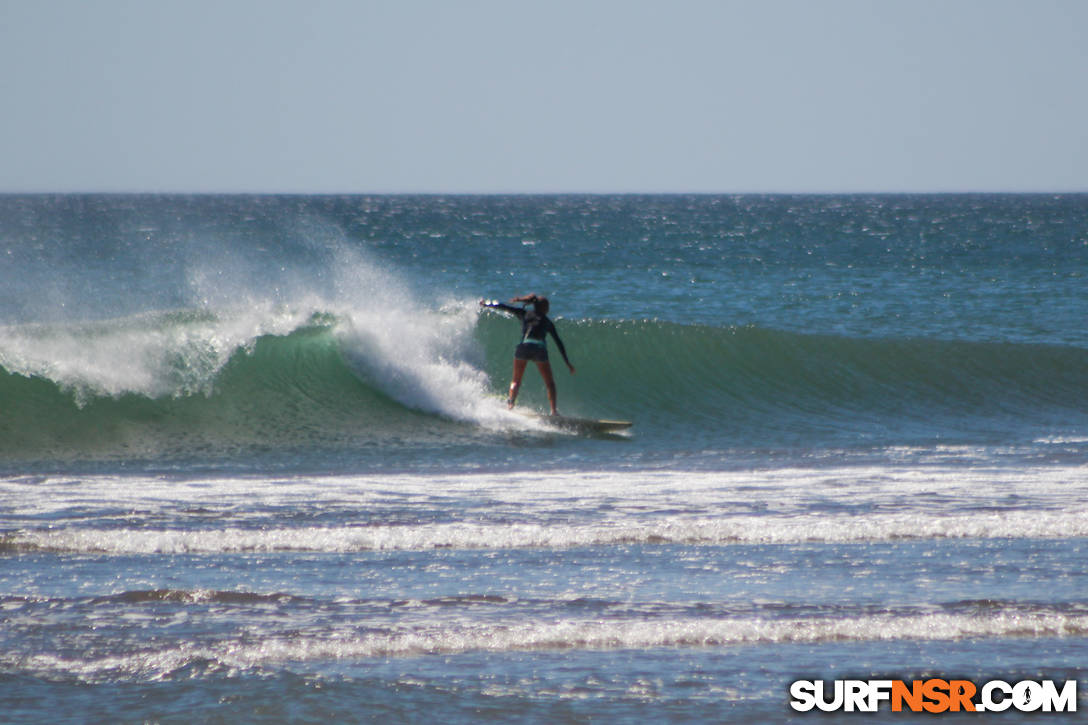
{"x": 401, "y": 341}
{"x": 153, "y": 355}
{"x": 319, "y": 355}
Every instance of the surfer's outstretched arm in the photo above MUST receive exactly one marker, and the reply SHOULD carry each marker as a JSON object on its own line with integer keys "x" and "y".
{"x": 496, "y": 305}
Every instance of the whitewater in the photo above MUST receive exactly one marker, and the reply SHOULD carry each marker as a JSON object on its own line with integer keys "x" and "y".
{"x": 255, "y": 461}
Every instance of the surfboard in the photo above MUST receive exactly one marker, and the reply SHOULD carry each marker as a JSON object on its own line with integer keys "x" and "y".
{"x": 583, "y": 426}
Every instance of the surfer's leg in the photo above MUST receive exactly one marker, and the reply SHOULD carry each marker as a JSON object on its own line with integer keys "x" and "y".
{"x": 545, "y": 369}
{"x": 515, "y": 381}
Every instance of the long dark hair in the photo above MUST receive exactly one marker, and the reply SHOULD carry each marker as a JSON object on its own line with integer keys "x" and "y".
{"x": 540, "y": 304}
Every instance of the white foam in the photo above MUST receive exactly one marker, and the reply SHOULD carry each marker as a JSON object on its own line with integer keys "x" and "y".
{"x": 892, "y": 490}
{"x": 413, "y": 347}
{"x": 471, "y": 536}
{"x": 564, "y": 635}
{"x": 155, "y": 354}
{"x": 500, "y": 510}
{"x": 661, "y": 530}
{"x": 420, "y": 358}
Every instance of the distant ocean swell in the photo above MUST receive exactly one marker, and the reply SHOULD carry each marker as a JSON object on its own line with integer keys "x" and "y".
{"x": 177, "y": 380}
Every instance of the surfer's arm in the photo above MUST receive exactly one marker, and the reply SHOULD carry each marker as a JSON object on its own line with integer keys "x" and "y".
{"x": 496, "y": 305}
{"x": 562, "y": 349}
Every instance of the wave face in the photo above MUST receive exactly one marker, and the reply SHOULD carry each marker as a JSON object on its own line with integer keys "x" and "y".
{"x": 186, "y": 383}
{"x": 748, "y": 376}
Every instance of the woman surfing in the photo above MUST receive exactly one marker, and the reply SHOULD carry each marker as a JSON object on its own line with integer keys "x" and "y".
{"x": 535, "y": 326}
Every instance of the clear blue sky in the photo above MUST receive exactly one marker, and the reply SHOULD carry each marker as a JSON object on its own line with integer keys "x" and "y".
{"x": 544, "y": 96}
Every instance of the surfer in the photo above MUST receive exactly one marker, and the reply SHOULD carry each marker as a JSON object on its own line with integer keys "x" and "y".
{"x": 535, "y": 326}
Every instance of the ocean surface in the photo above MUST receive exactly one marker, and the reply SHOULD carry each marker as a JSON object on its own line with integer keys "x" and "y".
{"x": 255, "y": 463}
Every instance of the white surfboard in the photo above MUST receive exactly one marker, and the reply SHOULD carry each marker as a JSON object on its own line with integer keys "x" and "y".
{"x": 580, "y": 425}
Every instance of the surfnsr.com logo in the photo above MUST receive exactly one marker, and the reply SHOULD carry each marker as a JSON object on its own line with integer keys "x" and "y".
{"x": 933, "y": 695}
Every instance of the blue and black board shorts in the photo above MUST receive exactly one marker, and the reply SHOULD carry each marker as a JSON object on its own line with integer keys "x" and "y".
{"x": 531, "y": 351}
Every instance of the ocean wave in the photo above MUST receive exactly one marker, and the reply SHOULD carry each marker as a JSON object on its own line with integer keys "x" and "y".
{"x": 194, "y": 382}
{"x": 713, "y": 374}
{"x": 198, "y": 383}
